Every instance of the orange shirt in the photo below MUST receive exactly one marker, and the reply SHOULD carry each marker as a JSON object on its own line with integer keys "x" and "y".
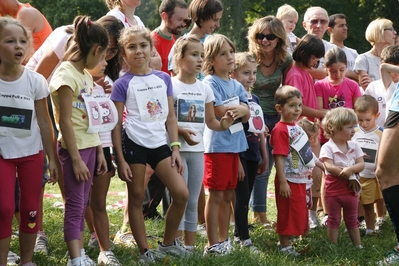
{"x": 40, "y": 36}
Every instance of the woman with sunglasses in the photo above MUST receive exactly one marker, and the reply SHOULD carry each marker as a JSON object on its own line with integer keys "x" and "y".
{"x": 379, "y": 33}
{"x": 268, "y": 43}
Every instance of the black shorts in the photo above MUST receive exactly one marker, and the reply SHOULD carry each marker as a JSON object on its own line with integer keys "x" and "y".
{"x": 136, "y": 154}
{"x": 108, "y": 159}
{"x": 392, "y": 119}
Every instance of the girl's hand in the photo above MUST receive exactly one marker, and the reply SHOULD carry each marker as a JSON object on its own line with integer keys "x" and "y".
{"x": 124, "y": 172}
{"x": 177, "y": 161}
{"x": 241, "y": 172}
{"x": 238, "y": 111}
{"x": 262, "y": 166}
{"x": 101, "y": 165}
{"x": 81, "y": 171}
{"x": 186, "y": 134}
{"x": 105, "y": 84}
{"x": 227, "y": 120}
{"x": 345, "y": 173}
{"x": 285, "y": 190}
{"x": 54, "y": 168}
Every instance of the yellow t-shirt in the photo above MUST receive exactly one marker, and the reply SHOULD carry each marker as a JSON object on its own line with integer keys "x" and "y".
{"x": 67, "y": 75}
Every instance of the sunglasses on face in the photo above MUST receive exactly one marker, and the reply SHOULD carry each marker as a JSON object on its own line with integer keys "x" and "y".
{"x": 269, "y": 37}
{"x": 317, "y": 21}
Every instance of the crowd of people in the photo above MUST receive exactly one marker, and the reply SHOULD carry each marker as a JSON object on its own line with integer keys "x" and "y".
{"x": 176, "y": 116}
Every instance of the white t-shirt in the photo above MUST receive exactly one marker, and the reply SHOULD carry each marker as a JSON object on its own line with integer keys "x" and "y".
{"x": 291, "y": 42}
{"x": 351, "y": 55}
{"x": 377, "y": 90}
{"x": 18, "y": 115}
{"x": 189, "y": 97}
{"x": 119, "y": 15}
{"x": 56, "y": 41}
{"x": 369, "y": 63}
{"x": 327, "y": 46}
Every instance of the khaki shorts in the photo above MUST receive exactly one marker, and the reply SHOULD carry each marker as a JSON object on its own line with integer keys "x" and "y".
{"x": 371, "y": 190}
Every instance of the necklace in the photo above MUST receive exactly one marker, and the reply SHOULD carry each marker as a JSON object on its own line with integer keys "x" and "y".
{"x": 267, "y": 66}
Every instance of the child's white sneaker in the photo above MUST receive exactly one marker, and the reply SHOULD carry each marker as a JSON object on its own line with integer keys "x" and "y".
{"x": 175, "y": 249}
{"x": 289, "y": 250}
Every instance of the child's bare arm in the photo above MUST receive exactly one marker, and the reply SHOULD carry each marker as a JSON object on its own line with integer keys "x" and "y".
{"x": 225, "y": 121}
{"x": 262, "y": 147}
{"x": 386, "y": 70}
{"x": 285, "y": 190}
{"x": 331, "y": 168}
{"x": 240, "y": 111}
{"x": 350, "y": 170}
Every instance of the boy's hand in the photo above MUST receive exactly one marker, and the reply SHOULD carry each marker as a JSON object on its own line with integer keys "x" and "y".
{"x": 227, "y": 120}
{"x": 285, "y": 190}
{"x": 238, "y": 111}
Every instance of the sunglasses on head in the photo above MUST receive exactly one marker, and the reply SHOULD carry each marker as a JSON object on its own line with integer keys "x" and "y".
{"x": 316, "y": 21}
{"x": 269, "y": 37}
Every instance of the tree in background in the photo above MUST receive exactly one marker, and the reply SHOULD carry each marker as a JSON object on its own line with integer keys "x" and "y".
{"x": 237, "y": 15}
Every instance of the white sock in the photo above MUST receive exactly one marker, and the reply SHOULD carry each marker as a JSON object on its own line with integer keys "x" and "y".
{"x": 76, "y": 261}
{"x": 369, "y": 231}
{"x": 189, "y": 248}
{"x": 312, "y": 214}
{"x": 83, "y": 254}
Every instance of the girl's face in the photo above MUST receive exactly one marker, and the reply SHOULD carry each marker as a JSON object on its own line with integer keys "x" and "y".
{"x": 390, "y": 35}
{"x": 99, "y": 69}
{"x": 13, "y": 45}
{"x": 289, "y": 23}
{"x": 96, "y": 56}
{"x": 345, "y": 134}
{"x": 223, "y": 61}
{"x": 137, "y": 51}
{"x": 112, "y": 49}
{"x": 267, "y": 40}
{"x": 131, "y": 3}
{"x": 336, "y": 72}
{"x": 192, "y": 60}
{"x": 313, "y": 61}
{"x": 209, "y": 26}
{"x": 246, "y": 75}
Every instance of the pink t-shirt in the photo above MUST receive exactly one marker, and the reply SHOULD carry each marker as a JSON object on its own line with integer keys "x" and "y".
{"x": 334, "y": 185}
{"x": 303, "y": 81}
{"x": 342, "y": 95}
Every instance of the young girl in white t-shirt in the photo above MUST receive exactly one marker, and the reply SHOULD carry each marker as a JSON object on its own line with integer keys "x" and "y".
{"x": 191, "y": 94}
{"x": 147, "y": 96}
{"x": 24, "y": 124}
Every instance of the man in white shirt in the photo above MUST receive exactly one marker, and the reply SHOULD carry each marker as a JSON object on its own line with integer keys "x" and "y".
{"x": 338, "y": 31}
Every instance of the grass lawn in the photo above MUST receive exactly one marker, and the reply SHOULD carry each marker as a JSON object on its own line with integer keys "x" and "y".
{"x": 318, "y": 250}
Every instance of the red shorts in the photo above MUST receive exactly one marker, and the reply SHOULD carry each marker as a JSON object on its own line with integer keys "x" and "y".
{"x": 221, "y": 170}
{"x": 292, "y": 213}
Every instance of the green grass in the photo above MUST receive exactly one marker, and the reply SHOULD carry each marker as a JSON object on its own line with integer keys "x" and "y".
{"x": 320, "y": 250}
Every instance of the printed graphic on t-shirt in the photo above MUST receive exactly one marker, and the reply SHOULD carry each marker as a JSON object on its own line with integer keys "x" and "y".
{"x": 152, "y": 100}
{"x": 336, "y": 101}
{"x": 256, "y": 122}
{"x": 16, "y": 113}
{"x": 190, "y": 109}
{"x": 101, "y": 112}
{"x": 369, "y": 155}
{"x": 302, "y": 146}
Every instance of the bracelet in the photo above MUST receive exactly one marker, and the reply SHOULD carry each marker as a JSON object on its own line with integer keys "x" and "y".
{"x": 175, "y": 143}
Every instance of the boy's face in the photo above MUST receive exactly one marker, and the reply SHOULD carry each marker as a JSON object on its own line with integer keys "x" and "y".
{"x": 289, "y": 23}
{"x": 367, "y": 120}
{"x": 291, "y": 110}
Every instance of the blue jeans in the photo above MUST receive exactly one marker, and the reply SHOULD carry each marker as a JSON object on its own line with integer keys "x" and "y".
{"x": 258, "y": 196}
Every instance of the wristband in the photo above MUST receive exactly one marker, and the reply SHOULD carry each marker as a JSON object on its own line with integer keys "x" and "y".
{"x": 175, "y": 143}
